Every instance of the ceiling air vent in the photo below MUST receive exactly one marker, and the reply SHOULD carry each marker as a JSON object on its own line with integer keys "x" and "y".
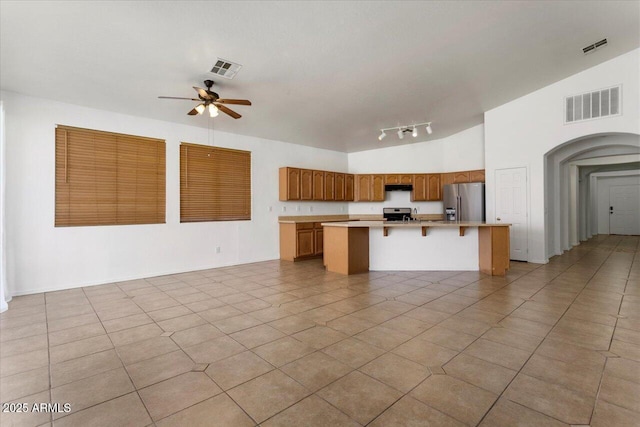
{"x": 594, "y": 46}
{"x": 225, "y": 68}
{"x": 593, "y": 105}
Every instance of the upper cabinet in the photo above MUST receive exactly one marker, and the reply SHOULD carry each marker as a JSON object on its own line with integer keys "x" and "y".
{"x": 363, "y": 188}
{"x": 377, "y": 188}
{"x": 349, "y": 187}
{"x": 434, "y": 188}
{"x": 329, "y": 186}
{"x": 318, "y": 185}
{"x": 426, "y": 188}
{"x": 460, "y": 177}
{"x": 370, "y": 188}
{"x": 315, "y": 185}
{"x": 289, "y": 184}
{"x": 476, "y": 176}
{"x": 419, "y": 193}
{"x": 398, "y": 179}
{"x": 339, "y": 187}
{"x": 306, "y": 184}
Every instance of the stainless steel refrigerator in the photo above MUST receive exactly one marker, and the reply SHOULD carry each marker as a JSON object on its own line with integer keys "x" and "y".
{"x": 464, "y": 202}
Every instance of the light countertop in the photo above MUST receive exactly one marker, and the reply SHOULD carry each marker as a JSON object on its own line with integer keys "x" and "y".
{"x": 412, "y": 224}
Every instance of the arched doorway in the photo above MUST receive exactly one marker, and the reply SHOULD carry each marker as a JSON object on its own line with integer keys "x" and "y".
{"x": 571, "y": 171}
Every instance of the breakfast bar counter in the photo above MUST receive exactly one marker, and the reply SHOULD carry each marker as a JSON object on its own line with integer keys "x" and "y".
{"x": 358, "y": 246}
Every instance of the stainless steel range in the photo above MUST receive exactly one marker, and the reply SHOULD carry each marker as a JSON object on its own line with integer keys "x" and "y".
{"x": 396, "y": 214}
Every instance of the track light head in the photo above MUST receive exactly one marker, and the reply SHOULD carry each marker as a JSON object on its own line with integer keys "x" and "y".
{"x": 400, "y": 130}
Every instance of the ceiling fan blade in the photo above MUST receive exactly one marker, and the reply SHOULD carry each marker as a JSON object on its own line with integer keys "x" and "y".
{"x": 234, "y": 101}
{"x": 228, "y": 111}
{"x": 193, "y": 112}
{"x": 175, "y": 97}
{"x": 203, "y": 93}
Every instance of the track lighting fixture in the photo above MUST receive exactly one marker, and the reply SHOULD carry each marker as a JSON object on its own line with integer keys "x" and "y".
{"x": 200, "y": 108}
{"x": 409, "y": 128}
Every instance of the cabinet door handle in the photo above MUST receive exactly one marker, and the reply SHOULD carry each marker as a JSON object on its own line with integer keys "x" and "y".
{"x": 498, "y": 219}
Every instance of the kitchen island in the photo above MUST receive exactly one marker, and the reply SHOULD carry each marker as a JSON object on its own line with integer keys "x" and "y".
{"x": 352, "y": 247}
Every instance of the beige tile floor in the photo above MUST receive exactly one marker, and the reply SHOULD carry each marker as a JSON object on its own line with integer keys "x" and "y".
{"x": 283, "y": 344}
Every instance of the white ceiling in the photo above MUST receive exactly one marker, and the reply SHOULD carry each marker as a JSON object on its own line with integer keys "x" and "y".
{"x": 323, "y": 74}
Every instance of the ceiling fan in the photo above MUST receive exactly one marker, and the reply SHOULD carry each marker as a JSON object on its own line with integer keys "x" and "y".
{"x": 211, "y": 100}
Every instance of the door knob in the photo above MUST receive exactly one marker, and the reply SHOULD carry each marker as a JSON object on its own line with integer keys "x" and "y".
{"x": 498, "y": 219}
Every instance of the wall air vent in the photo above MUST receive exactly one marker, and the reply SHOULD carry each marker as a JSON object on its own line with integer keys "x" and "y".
{"x": 225, "y": 68}
{"x": 596, "y": 45}
{"x": 593, "y": 105}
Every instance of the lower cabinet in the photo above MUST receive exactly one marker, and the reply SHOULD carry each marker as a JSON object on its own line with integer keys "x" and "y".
{"x": 301, "y": 241}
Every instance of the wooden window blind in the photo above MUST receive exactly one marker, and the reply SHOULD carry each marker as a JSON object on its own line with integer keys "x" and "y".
{"x": 105, "y": 178}
{"x": 215, "y": 184}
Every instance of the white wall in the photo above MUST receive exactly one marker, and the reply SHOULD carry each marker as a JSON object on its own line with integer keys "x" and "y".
{"x": 519, "y": 133}
{"x": 3, "y": 264}
{"x": 604, "y": 184}
{"x": 462, "y": 151}
{"x": 42, "y": 257}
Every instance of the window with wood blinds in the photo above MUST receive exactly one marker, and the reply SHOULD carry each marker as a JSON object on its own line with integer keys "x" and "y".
{"x": 215, "y": 184}
{"x": 105, "y": 178}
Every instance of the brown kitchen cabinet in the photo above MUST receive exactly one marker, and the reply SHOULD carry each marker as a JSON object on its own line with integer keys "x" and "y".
{"x": 460, "y": 177}
{"x": 363, "y": 188}
{"x": 476, "y": 176}
{"x": 419, "y": 193}
{"x": 329, "y": 186}
{"x": 377, "y": 188}
{"x": 349, "y": 187}
{"x": 339, "y": 187}
{"x": 318, "y": 185}
{"x": 289, "y": 184}
{"x": 398, "y": 179}
{"x": 434, "y": 189}
{"x": 426, "y": 188}
{"x": 306, "y": 184}
{"x": 301, "y": 240}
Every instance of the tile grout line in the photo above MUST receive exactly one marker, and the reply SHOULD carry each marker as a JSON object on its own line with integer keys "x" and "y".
{"x": 538, "y": 346}
{"x": 612, "y": 335}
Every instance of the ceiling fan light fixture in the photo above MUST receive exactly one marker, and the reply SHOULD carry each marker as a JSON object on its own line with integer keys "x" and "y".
{"x": 382, "y": 136}
{"x": 213, "y": 110}
{"x": 415, "y": 132}
{"x": 200, "y": 108}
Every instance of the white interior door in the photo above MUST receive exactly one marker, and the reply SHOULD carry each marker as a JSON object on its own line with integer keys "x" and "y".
{"x": 624, "y": 209}
{"x": 511, "y": 207}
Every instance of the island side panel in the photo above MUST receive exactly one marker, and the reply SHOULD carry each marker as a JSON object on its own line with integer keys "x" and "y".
{"x": 493, "y": 248}
{"x": 346, "y": 249}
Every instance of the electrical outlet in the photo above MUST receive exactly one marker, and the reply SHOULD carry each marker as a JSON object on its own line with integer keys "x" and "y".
{"x": 284, "y": 209}
{"x": 218, "y": 249}
{"x": 298, "y": 208}
{"x": 310, "y": 208}
{"x": 270, "y": 208}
